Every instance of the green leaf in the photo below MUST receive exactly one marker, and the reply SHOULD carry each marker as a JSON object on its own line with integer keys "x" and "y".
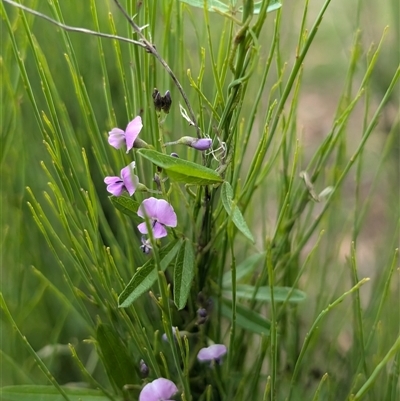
{"x": 233, "y": 211}
{"x": 125, "y": 205}
{"x": 50, "y": 393}
{"x": 213, "y": 5}
{"x": 183, "y": 274}
{"x": 246, "y": 318}
{"x": 272, "y": 6}
{"x": 243, "y": 269}
{"x": 115, "y": 356}
{"x": 146, "y": 275}
{"x": 181, "y": 170}
{"x": 264, "y": 293}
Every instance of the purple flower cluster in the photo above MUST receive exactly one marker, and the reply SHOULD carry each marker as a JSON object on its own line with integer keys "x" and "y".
{"x": 158, "y": 214}
{"x": 158, "y": 211}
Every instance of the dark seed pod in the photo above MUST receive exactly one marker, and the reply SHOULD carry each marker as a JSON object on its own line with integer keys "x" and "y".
{"x": 162, "y": 102}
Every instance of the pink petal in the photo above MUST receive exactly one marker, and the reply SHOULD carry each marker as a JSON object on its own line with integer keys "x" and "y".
{"x": 212, "y": 352}
{"x": 131, "y": 181}
{"x": 159, "y": 230}
{"x": 148, "y": 208}
{"x": 111, "y": 179}
{"x": 165, "y": 213}
{"x": 202, "y": 144}
{"x": 115, "y": 186}
{"x": 116, "y": 138}
{"x": 132, "y": 132}
{"x": 116, "y": 189}
{"x": 158, "y": 390}
{"x": 142, "y": 228}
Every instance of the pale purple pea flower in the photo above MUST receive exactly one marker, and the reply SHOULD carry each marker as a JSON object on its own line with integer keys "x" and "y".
{"x": 118, "y": 138}
{"x": 160, "y": 213}
{"x": 212, "y": 353}
{"x": 127, "y": 182}
{"x": 146, "y": 245}
{"x": 195, "y": 143}
{"x": 201, "y": 144}
{"x": 158, "y": 390}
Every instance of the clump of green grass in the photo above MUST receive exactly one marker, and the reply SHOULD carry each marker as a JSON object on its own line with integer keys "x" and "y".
{"x": 285, "y": 248}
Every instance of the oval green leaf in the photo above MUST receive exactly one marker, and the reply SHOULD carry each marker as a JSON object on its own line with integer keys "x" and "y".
{"x": 246, "y": 318}
{"x": 281, "y": 294}
{"x": 183, "y": 274}
{"x": 272, "y": 6}
{"x": 146, "y": 275}
{"x": 212, "y": 5}
{"x": 243, "y": 269}
{"x": 182, "y": 170}
{"x": 125, "y": 204}
{"x": 216, "y": 5}
{"x": 233, "y": 210}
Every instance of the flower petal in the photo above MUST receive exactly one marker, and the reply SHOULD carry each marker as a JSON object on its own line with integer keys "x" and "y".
{"x": 132, "y": 132}
{"x": 148, "y": 208}
{"x": 159, "y": 230}
{"x": 131, "y": 181}
{"x": 142, "y": 228}
{"x": 158, "y": 390}
{"x": 202, "y": 144}
{"x": 165, "y": 213}
{"x": 112, "y": 180}
{"x": 213, "y": 352}
{"x": 116, "y": 138}
{"x": 116, "y": 188}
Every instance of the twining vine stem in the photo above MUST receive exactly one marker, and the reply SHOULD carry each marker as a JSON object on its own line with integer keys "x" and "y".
{"x": 74, "y": 28}
{"x": 151, "y": 49}
{"x": 144, "y": 43}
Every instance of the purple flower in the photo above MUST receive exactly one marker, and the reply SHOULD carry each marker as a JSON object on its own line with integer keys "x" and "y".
{"x": 118, "y": 138}
{"x": 127, "y": 181}
{"x": 160, "y": 213}
{"x": 146, "y": 245}
{"x": 158, "y": 390}
{"x": 201, "y": 144}
{"x": 196, "y": 143}
{"x": 212, "y": 353}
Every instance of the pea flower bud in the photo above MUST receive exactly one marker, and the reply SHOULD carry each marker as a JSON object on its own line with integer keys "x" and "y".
{"x": 144, "y": 369}
{"x": 195, "y": 143}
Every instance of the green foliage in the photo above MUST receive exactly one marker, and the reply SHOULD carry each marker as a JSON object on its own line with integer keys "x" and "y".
{"x": 126, "y": 205}
{"x": 119, "y": 364}
{"x": 233, "y": 211}
{"x": 182, "y": 170}
{"x": 215, "y": 5}
{"x": 246, "y": 318}
{"x": 146, "y": 275}
{"x": 300, "y": 287}
{"x": 48, "y": 393}
{"x": 184, "y": 272}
